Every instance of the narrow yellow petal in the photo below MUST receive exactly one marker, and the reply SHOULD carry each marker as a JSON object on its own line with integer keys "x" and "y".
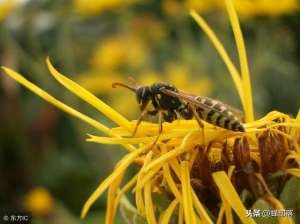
{"x": 189, "y": 214}
{"x": 200, "y": 209}
{"x": 293, "y": 171}
{"x": 139, "y": 190}
{"x": 293, "y": 131}
{"x": 126, "y": 188}
{"x": 111, "y": 200}
{"x": 167, "y": 214}
{"x": 180, "y": 215}
{"x": 139, "y": 200}
{"x": 147, "y": 177}
{"x": 149, "y": 208}
{"x": 89, "y": 97}
{"x": 225, "y": 209}
{"x": 249, "y": 113}
{"x": 41, "y": 93}
{"x": 228, "y": 212}
{"x": 228, "y": 192}
{"x": 220, "y": 215}
{"x": 186, "y": 144}
{"x": 171, "y": 182}
{"x": 123, "y": 164}
{"x": 164, "y": 158}
{"x": 113, "y": 141}
{"x": 224, "y": 55}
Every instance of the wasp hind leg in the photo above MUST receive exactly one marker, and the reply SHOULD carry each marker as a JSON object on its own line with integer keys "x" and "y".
{"x": 198, "y": 119}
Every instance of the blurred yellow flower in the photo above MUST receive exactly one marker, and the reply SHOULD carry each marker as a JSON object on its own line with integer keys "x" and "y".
{"x": 182, "y": 78}
{"x": 119, "y": 51}
{"x": 148, "y": 29}
{"x": 203, "y": 6}
{"x": 6, "y": 7}
{"x": 266, "y": 7}
{"x": 38, "y": 201}
{"x": 109, "y": 54}
{"x": 193, "y": 166}
{"x": 245, "y": 8}
{"x": 96, "y": 7}
{"x": 98, "y": 82}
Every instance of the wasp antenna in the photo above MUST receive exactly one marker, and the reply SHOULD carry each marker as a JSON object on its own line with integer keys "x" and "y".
{"x": 116, "y": 84}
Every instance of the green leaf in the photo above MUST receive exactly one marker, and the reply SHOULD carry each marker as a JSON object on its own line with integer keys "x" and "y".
{"x": 263, "y": 207}
{"x": 290, "y": 194}
{"x": 129, "y": 213}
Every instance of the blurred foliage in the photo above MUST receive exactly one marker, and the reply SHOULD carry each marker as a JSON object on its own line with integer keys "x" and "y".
{"x": 99, "y": 42}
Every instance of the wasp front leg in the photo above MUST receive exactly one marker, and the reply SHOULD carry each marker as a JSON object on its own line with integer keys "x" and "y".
{"x": 160, "y": 129}
{"x": 141, "y": 117}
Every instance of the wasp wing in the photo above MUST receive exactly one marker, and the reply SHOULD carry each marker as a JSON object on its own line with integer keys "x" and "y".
{"x": 234, "y": 110}
{"x": 188, "y": 98}
{"x": 192, "y": 99}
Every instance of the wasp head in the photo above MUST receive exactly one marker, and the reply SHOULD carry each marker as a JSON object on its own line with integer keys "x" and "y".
{"x": 143, "y": 93}
{"x": 143, "y": 96}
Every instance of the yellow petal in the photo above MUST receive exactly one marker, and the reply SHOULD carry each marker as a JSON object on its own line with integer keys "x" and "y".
{"x": 112, "y": 141}
{"x": 186, "y": 144}
{"x": 41, "y": 93}
{"x": 88, "y": 97}
{"x": 149, "y": 208}
{"x": 249, "y": 114}
{"x": 123, "y": 164}
{"x": 228, "y": 192}
{"x": 171, "y": 183}
{"x": 293, "y": 171}
{"x": 146, "y": 178}
{"x": 200, "y": 209}
{"x": 167, "y": 214}
{"x": 224, "y": 55}
{"x": 189, "y": 214}
{"x": 126, "y": 188}
{"x": 138, "y": 192}
{"x": 111, "y": 202}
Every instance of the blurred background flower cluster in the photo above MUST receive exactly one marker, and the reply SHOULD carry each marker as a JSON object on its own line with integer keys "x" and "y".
{"x": 46, "y": 167}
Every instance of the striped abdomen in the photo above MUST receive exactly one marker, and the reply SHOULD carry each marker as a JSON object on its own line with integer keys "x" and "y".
{"x": 218, "y": 115}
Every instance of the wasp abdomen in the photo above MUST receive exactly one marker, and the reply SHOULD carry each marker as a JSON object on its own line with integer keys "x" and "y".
{"x": 219, "y": 115}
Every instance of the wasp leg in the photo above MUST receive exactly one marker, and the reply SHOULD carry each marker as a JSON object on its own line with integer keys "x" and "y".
{"x": 160, "y": 128}
{"x": 142, "y": 115}
{"x": 198, "y": 119}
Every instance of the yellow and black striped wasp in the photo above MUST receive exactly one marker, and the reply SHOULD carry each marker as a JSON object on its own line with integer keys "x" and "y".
{"x": 171, "y": 103}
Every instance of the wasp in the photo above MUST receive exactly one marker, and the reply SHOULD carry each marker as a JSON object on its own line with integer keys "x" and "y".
{"x": 171, "y": 103}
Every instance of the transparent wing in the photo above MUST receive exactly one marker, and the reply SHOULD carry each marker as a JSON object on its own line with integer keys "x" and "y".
{"x": 191, "y": 98}
{"x": 234, "y": 110}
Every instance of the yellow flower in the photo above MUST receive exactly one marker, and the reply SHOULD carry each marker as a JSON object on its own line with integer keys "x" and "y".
{"x": 248, "y": 8}
{"x": 38, "y": 201}
{"x": 245, "y": 8}
{"x": 98, "y": 82}
{"x": 119, "y": 51}
{"x": 110, "y": 54}
{"x": 202, "y": 6}
{"x": 95, "y": 7}
{"x": 6, "y": 7}
{"x": 193, "y": 167}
